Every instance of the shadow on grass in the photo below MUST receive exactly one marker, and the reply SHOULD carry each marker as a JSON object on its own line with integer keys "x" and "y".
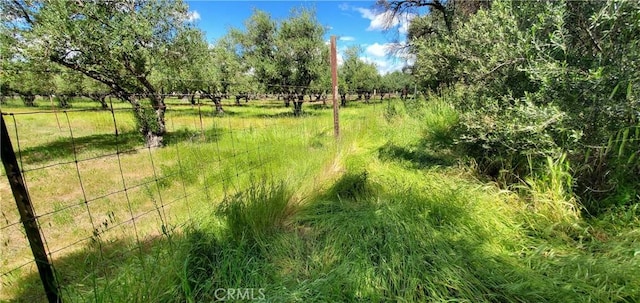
{"x": 205, "y": 112}
{"x": 320, "y": 106}
{"x": 406, "y": 244}
{"x": 109, "y": 143}
{"x": 268, "y": 104}
{"x": 92, "y": 273}
{"x": 416, "y": 156}
{"x": 287, "y": 114}
{"x": 353, "y": 244}
{"x": 257, "y": 109}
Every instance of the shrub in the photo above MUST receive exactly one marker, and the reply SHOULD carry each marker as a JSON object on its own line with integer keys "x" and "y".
{"x": 506, "y": 135}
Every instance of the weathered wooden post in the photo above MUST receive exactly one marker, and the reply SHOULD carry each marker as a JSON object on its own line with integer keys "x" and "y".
{"x": 334, "y": 86}
{"x": 27, "y": 215}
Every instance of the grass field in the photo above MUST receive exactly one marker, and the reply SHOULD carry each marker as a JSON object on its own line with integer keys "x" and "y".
{"x": 273, "y": 205}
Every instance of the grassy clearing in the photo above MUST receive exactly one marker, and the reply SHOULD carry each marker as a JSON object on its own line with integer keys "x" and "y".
{"x": 382, "y": 215}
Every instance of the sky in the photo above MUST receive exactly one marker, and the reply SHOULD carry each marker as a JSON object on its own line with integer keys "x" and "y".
{"x": 355, "y": 23}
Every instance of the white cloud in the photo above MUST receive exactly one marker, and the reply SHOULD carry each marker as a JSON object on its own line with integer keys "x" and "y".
{"x": 385, "y": 65}
{"x": 193, "y": 16}
{"x": 347, "y": 38}
{"x": 387, "y": 57}
{"x": 384, "y": 20}
{"x": 377, "y": 49}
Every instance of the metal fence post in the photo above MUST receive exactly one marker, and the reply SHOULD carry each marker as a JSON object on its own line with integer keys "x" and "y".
{"x": 27, "y": 215}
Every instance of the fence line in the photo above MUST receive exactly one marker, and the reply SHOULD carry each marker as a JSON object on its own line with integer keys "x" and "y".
{"x": 147, "y": 194}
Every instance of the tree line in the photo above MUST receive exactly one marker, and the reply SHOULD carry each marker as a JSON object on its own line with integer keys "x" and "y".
{"x": 129, "y": 49}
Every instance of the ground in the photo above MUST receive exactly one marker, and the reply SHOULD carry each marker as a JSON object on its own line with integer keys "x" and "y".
{"x": 266, "y": 204}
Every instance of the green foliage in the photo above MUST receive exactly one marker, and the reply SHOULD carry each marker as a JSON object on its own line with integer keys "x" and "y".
{"x": 146, "y": 120}
{"x": 396, "y": 82}
{"x": 551, "y": 192}
{"x": 392, "y": 110}
{"x": 299, "y": 42}
{"x": 257, "y": 46}
{"x": 286, "y": 56}
{"x": 359, "y": 76}
{"x": 504, "y": 137}
{"x": 137, "y": 39}
{"x": 427, "y": 231}
{"x": 536, "y": 80}
{"x": 613, "y": 170}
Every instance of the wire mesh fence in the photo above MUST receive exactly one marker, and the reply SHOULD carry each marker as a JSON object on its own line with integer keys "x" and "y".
{"x": 100, "y": 195}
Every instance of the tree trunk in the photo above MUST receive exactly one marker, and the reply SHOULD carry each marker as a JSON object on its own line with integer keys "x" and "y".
{"x": 63, "y": 101}
{"x": 287, "y": 100}
{"x": 151, "y": 121}
{"x": 297, "y": 106}
{"x": 218, "y": 104}
{"x": 100, "y": 98}
{"x": 29, "y": 100}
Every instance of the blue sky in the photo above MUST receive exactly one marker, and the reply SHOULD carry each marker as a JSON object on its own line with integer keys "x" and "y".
{"x": 353, "y": 22}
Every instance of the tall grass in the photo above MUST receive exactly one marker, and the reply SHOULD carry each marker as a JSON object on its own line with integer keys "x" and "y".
{"x": 380, "y": 215}
{"x": 385, "y": 231}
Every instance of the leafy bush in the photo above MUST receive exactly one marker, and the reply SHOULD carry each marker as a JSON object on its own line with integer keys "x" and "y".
{"x": 505, "y": 135}
{"x": 536, "y": 80}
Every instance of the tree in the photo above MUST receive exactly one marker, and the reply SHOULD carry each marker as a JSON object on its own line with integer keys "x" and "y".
{"x": 19, "y": 74}
{"x": 321, "y": 86}
{"x": 195, "y": 68}
{"x": 360, "y": 77}
{"x": 257, "y": 47}
{"x": 431, "y": 22}
{"x": 95, "y": 90}
{"x": 396, "y": 82}
{"x": 533, "y": 80}
{"x": 233, "y": 76}
{"x": 300, "y": 53}
{"x": 284, "y": 57}
{"x": 67, "y": 85}
{"x": 118, "y": 43}
{"x": 27, "y": 79}
{"x": 447, "y": 11}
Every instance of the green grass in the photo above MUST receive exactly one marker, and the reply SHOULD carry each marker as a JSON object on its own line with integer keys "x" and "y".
{"x": 383, "y": 214}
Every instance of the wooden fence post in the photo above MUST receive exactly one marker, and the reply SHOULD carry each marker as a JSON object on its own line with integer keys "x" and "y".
{"x": 27, "y": 215}
{"x": 334, "y": 87}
